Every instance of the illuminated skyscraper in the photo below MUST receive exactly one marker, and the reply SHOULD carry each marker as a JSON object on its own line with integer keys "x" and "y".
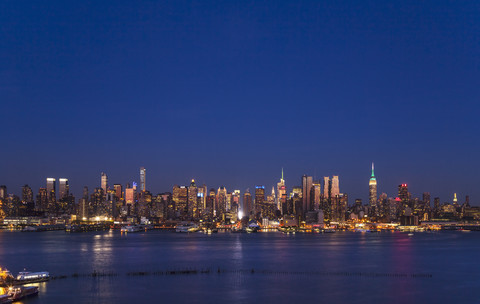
{"x": 326, "y": 188}
{"x": 192, "y": 199}
{"x": 259, "y": 198}
{"x": 316, "y": 191}
{"x": 281, "y": 191}
{"x": 104, "y": 182}
{"x": 372, "y": 186}
{"x": 3, "y": 192}
{"x": 63, "y": 187}
{"x": 455, "y": 200}
{"x": 27, "y": 194}
{"x": 143, "y": 173}
{"x": 307, "y": 182}
{"x": 51, "y": 195}
{"x": 221, "y": 201}
{"x": 180, "y": 197}
{"x": 335, "y": 186}
{"x": 51, "y": 186}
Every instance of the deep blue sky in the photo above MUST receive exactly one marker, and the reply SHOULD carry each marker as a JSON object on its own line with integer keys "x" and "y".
{"x": 229, "y": 92}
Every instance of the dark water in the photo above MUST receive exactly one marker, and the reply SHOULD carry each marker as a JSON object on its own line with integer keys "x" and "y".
{"x": 306, "y": 268}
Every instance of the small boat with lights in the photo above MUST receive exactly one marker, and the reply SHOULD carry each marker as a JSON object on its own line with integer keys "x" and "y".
{"x": 132, "y": 228}
{"x": 187, "y": 227}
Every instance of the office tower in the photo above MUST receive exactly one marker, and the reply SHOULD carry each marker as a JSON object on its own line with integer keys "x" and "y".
{"x": 3, "y": 192}
{"x": 143, "y": 177}
{"x": 316, "y": 195}
{"x": 180, "y": 197}
{"x": 201, "y": 199}
{"x": 210, "y": 204}
{"x": 51, "y": 186}
{"x": 104, "y": 182}
{"x": 192, "y": 200}
{"x": 426, "y": 199}
{"x": 118, "y": 191}
{"x": 259, "y": 198}
{"x": 247, "y": 203}
{"x": 129, "y": 195}
{"x": 221, "y": 203}
{"x": 97, "y": 206}
{"x": 281, "y": 191}
{"x": 307, "y": 182}
{"x": 27, "y": 194}
{"x": 326, "y": 188}
{"x": 467, "y": 201}
{"x": 63, "y": 186}
{"x": 335, "y": 186}
{"x": 42, "y": 200}
{"x": 372, "y": 197}
{"x": 403, "y": 192}
{"x": 436, "y": 203}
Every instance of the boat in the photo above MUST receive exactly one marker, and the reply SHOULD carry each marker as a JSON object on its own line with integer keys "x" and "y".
{"x": 186, "y": 227}
{"x": 26, "y": 277}
{"x": 132, "y": 228}
{"x": 30, "y": 229}
{"x": 410, "y": 234}
{"x": 16, "y": 293}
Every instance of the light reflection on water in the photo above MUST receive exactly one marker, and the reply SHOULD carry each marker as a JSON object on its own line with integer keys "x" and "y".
{"x": 449, "y": 256}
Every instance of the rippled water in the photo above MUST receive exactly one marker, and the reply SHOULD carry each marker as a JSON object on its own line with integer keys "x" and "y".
{"x": 343, "y": 267}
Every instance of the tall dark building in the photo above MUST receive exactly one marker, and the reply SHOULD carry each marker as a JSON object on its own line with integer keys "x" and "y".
{"x": 27, "y": 194}
{"x": 42, "y": 200}
{"x": 247, "y": 203}
{"x": 426, "y": 199}
{"x": 64, "y": 188}
{"x": 259, "y": 198}
{"x": 307, "y": 182}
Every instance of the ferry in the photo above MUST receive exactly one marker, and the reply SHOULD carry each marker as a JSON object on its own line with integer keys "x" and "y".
{"x": 32, "y": 277}
{"x": 133, "y": 228}
{"x": 186, "y": 227}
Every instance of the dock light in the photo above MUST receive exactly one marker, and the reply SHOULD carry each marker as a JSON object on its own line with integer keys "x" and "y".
{"x": 97, "y": 218}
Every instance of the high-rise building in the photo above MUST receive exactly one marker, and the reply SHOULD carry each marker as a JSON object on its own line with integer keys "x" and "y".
{"x": 192, "y": 203}
{"x": 118, "y": 191}
{"x": 372, "y": 197}
{"x": 259, "y": 198}
{"x": 51, "y": 186}
{"x": 326, "y": 188}
{"x": 63, "y": 186}
{"x": 316, "y": 195}
{"x": 143, "y": 176}
{"x": 403, "y": 194}
{"x": 335, "y": 186}
{"x": 104, "y": 182}
{"x": 221, "y": 201}
{"x": 27, "y": 194}
{"x": 129, "y": 195}
{"x": 3, "y": 192}
{"x": 307, "y": 182}
{"x": 426, "y": 199}
{"x": 281, "y": 191}
{"x": 247, "y": 203}
{"x": 180, "y": 197}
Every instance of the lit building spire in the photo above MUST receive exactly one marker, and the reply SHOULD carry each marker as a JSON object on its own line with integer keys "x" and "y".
{"x": 373, "y": 167}
{"x": 282, "y": 173}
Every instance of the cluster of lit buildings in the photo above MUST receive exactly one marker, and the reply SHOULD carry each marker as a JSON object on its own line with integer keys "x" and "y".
{"x": 312, "y": 202}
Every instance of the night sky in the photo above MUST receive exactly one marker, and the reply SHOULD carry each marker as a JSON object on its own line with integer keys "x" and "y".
{"x": 229, "y": 92}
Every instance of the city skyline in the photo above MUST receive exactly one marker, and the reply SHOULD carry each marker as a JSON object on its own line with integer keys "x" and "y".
{"x": 305, "y": 181}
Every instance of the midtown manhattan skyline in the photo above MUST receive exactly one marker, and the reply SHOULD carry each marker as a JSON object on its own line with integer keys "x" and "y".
{"x": 230, "y": 93}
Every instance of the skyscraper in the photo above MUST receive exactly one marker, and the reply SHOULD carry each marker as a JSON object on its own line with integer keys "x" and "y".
{"x": 27, "y": 194}
{"x": 281, "y": 191}
{"x": 51, "y": 195}
{"x": 63, "y": 187}
{"x": 50, "y": 186}
{"x": 307, "y": 182}
{"x": 104, "y": 182}
{"x": 192, "y": 204}
{"x": 247, "y": 203}
{"x": 118, "y": 191}
{"x": 372, "y": 185}
{"x": 143, "y": 173}
{"x": 335, "y": 186}
{"x": 3, "y": 192}
{"x": 259, "y": 198}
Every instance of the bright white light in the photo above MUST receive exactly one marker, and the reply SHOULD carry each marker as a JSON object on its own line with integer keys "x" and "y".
{"x": 240, "y": 214}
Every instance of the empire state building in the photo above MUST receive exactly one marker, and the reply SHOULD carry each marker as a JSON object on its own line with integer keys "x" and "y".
{"x": 372, "y": 185}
